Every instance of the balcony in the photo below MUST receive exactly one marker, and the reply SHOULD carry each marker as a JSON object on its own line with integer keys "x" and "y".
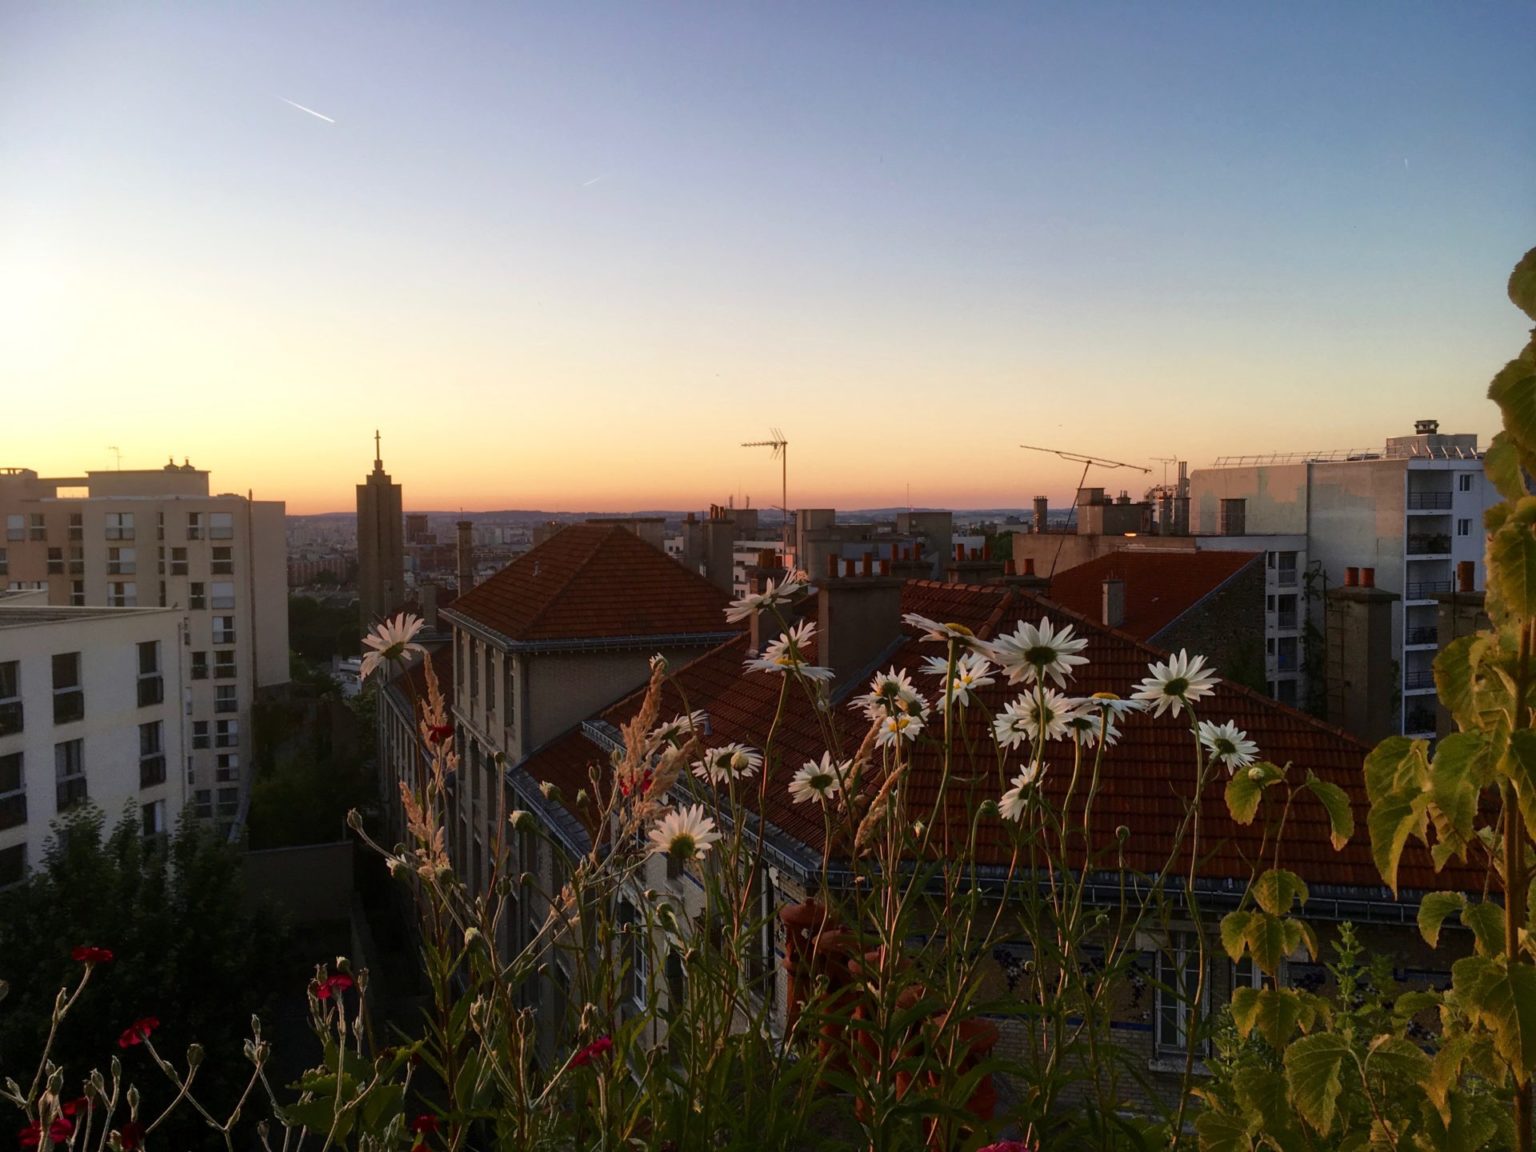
{"x": 1418, "y": 681}
{"x": 1425, "y": 589}
{"x": 151, "y": 771}
{"x": 1429, "y": 501}
{"x": 1429, "y": 635}
{"x": 1438, "y": 544}
{"x": 1419, "y": 719}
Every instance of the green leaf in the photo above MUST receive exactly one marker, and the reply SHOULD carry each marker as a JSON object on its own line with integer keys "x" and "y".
{"x": 1220, "y": 1132}
{"x": 1433, "y": 910}
{"x": 1341, "y": 820}
{"x": 1267, "y": 943}
{"x": 1276, "y": 890}
{"x": 1243, "y": 796}
{"x": 1462, "y": 765}
{"x": 1522, "y": 284}
{"x": 1511, "y": 581}
{"x": 1234, "y": 927}
{"x": 1513, "y": 389}
{"x": 1263, "y": 1094}
{"x": 1393, "y": 765}
{"x": 1487, "y": 924}
{"x": 1445, "y": 1073}
{"x": 1502, "y": 998}
{"x": 1312, "y": 1071}
{"x": 1453, "y": 679}
{"x": 1392, "y": 820}
{"x": 1502, "y": 463}
{"x": 1245, "y": 1009}
{"x": 1398, "y": 1057}
{"x": 1520, "y": 764}
{"x": 1276, "y": 1012}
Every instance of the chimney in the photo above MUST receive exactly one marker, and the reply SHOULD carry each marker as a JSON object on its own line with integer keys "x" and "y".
{"x": 1367, "y": 577}
{"x": 466, "y": 556}
{"x": 1042, "y": 515}
{"x": 858, "y": 618}
{"x": 1361, "y": 677}
{"x": 1351, "y": 577}
{"x": 429, "y": 605}
{"x": 1466, "y": 576}
{"x": 1114, "y": 602}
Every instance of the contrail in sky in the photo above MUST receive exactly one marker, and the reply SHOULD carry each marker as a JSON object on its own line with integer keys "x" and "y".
{"x": 594, "y": 180}
{"x": 311, "y": 111}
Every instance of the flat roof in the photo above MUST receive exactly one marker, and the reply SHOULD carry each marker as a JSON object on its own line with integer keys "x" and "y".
{"x": 21, "y": 615}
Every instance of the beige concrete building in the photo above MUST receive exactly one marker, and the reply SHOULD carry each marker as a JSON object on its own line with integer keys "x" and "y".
{"x": 380, "y": 545}
{"x": 89, "y": 709}
{"x": 158, "y": 538}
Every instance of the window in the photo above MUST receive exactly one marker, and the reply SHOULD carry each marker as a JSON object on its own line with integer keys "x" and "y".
{"x": 226, "y": 733}
{"x": 228, "y": 768}
{"x": 1234, "y": 518}
{"x": 77, "y": 593}
{"x": 10, "y": 697}
{"x": 761, "y": 967}
{"x": 154, "y": 818}
{"x": 223, "y": 629}
{"x": 1464, "y": 481}
{"x": 223, "y": 562}
{"x": 194, "y": 525}
{"x": 5, "y": 565}
{"x": 1463, "y": 527}
{"x": 490, "y": 682}
{"x": 229, "y": 802}
{"x": 224, "y": 698}
{"x": 474, "y": 671}
{"x": 1286, "y": 654}
{"x": 200, "y": 734}
{"x": 76, "y": 527}
{"x": 1176, "y": 978}
{"x": 151, "y": 755}
{"x": 202, "y": 803}
{"x": 1286, "y": 568}
{"x": 119, "y": 525}
{"x": 37, "y": 527}
{"x": 160, "y": 530}
{"x": 506, "y": 689}
{"x": 223, "y": 594}
{"x": 68, "y": 696}
{"x": 151, "y": 687}
{"x": 1246, "y": 974}
{"x": 224, "y": 664}
{"x": 122, "y": 595}
{"x": 178, "y": 561}
{"x": 221, "y": 526}
{"x": 15, "y": 526}
{"x": 55, "y": 561}
{"x": 199, "y": 665}
{"x": 197, "y": 596}
{"x": 13, "y": 865}
{"x": 1285, "y": 692}
{"x": 633, "y": 946}
{"x": 76, "y": 560}
{"x": 1287, "y": 616}
{"x": 13, "y": 792}
{"x": 69, "y": 773}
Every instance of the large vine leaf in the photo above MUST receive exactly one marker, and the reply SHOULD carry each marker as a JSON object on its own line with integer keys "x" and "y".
{"x": 1462, "y": 766}
{"x": 1503, "y": 998}
{"x": 1335, "y": 801}
{"x": 1243, "y": 796}
{"x": 1396, "y": 764}
{"x": 1313, "y": 1067}
{"x": 1445, "y": 1072}
{"x": 1504, "y": 467}
{"x": 1511, "y": 582}
{"x": 1268, "y": 942}
{"x": 1519, "y": 763}
{"x": 1487, "y": 924}
{"x": 1234, "y": 930}
{"x": 1277, "y": 1013}
{"x": 1522, "y": 284}
{"x": 1434, "y": 909}
{"x": 1277, "y": 889}
{"x": 1392, "y": 820}
{"x": 1397, "y": 1056}
{"x": 1513, "y": 389}
{"x": 1223, "y": 1132}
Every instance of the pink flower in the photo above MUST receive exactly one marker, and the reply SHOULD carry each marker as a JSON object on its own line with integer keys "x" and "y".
{"x": 424, "y": 1123}
{"x": 90, "y": 954}
{"x": 592, "y": 1051}
{"x": 131, "y": 1135}
{"x": 138, "y": 1031}
{"x": 323, "y": 989}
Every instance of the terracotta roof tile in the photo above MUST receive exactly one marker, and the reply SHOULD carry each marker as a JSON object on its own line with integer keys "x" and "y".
{"x": 1159, "y": 586}
{"x": 594, "y": 582}
{"x": 1146, "y": 778}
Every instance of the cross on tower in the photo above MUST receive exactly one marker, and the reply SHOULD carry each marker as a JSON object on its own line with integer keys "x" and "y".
{"x": 378, "y": 458}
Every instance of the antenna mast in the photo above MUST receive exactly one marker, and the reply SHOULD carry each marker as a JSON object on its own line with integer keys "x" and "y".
{"x": 780, "y": 448}
{"x": 1087, "y": 462}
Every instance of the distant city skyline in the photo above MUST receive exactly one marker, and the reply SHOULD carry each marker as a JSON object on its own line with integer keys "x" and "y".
{"x": 572, "y": 257}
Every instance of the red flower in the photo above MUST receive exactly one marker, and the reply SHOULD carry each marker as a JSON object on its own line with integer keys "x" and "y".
{"x": 424, "y": 1123}
{"x": 131, "y": 1135}
{"x": 640, "y": 784}
{"x": 323, "y": 989}
{"x": 439, "y": 733}
{"x": 138, "y": 1031}
{"x": 59, "y": 1132}
{"x": 90, "y": 954}
{"x": 592, "y": 1051}
{"x": 70, "y": 1107}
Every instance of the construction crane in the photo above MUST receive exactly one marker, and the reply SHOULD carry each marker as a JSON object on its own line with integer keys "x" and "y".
{"x": 1087, "y": 462}
{"x": 780, "y": 448}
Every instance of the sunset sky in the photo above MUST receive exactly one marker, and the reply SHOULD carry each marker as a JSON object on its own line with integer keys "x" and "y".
{"x": 569, "y": 256}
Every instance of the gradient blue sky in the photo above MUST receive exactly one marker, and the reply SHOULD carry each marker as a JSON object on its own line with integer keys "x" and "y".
{"x": 571, "y": 255}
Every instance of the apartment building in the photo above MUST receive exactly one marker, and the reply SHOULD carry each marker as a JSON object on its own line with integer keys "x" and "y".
{"x": 157, "y": 538}
{"x": 89, "y": 709}
{"x": 1410, "y": 512}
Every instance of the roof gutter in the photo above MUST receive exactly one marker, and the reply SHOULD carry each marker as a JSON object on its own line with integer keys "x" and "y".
{"x": 588, "y": 644}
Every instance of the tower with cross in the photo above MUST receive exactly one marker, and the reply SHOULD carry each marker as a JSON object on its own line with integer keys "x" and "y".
{"x": 380, "y": 544}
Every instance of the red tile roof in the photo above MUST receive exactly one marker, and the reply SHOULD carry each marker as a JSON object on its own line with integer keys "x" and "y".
{"x": 1147, "y": 778}
{"x": 594, "y": 582}
{"x": 1160, "y": 587}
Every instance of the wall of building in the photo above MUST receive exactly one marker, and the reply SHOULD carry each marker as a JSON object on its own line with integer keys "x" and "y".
{"x": 1275, "y": 496}
{"x": 1227, "y": 628}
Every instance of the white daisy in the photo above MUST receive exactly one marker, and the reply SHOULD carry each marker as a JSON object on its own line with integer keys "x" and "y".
{"x": 1086, "y": 728}
{"x": 391, "y": 640}
{"x": 1183, "y": 680}
{"x": 787, "y": 654}
{"x": 1039, "y": 715}
{"x": 890, "y": 692}
{"x": 898, "y": 727}
{"x": 728, "y": 762}
{"x": 819, "y": 780}
{"x": 970, "y": 674}
{"x": 1109, "y": 702}
{"x": 684, "y": 833}
{"x": 677, "y": 729}
{"x": 787, "y": 589}
{"x": 943, "y": 633}
{"x": 1034, "y": 652}
{"x": 1011, "y": 806}
{"x": 1228, "y": 745}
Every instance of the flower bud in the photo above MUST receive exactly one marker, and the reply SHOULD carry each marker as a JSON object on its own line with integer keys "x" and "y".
{"x": 1255, "y": 773}
{"x": 133, "y": 1097}
{"x": 519, "y": 818}
{"x": 194, "y": 1055}
{"x": 1123, "y": 833}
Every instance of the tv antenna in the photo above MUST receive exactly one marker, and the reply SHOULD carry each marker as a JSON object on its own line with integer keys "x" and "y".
{"x": 118, "y": 453}
{"x": 1165, "y": 461}
{"x": 780, "y": 448}
{"x": 1087, "y": 462}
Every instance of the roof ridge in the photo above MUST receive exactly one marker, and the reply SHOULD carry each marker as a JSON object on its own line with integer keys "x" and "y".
{"x": 603, "y": 534}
